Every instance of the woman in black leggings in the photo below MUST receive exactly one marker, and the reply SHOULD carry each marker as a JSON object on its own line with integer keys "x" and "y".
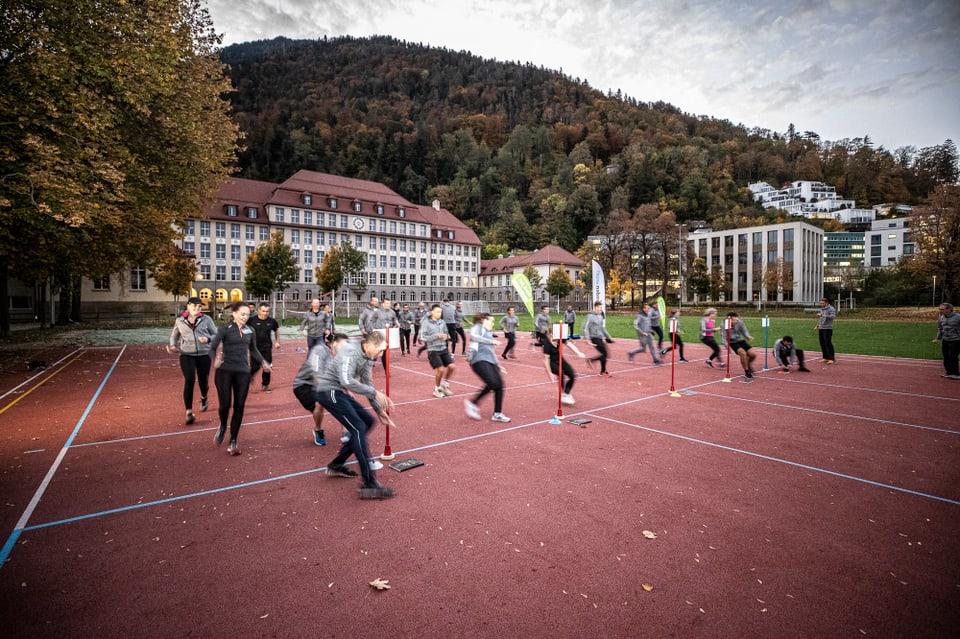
{"x": 232, "y": 364}
{"x": 483, "y": 361}
{"x": 707, "y": 328}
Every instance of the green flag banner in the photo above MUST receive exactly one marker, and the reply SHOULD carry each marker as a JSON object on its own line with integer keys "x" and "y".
{"x": 522, "y": 286}
{"x": 662, "y": 307}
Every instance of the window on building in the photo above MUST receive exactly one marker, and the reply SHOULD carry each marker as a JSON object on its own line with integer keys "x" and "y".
{"x": 102, "y": 283}
{"x": 279, "y": 215}
{"x": 294, "y": 216}
{"x": 230, "y": 210}
{"x": 357, "y": 206}
{"x": 307, "y": 199}
{"x": 235, "y": 273}
{"x": 253, "y": 212}
{"x": 221, "y": 251}
{"x": 235, "y": 252}
{"x": 264, "y": 233}
{"x": 138, "y": 279}
{"x": 308, "y": 275}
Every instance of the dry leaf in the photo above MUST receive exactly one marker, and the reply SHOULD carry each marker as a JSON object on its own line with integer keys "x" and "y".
{"x": 649, "y": 534}
{"x": 380, "y": 584}
{"x": 647, "y": 587}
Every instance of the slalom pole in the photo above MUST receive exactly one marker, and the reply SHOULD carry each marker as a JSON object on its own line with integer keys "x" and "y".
{"x": 558, "y": 417}
{"x": 766, "y": 341}
{"x": 673, "y": 356}
{"x": 387, "y": 451}
{"x": 726, "y": 327}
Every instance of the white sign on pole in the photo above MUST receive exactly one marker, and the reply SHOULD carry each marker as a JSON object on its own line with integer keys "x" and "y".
{"x": 561, "y": 331}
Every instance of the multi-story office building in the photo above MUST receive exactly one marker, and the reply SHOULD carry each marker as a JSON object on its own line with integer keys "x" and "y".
{"x": 887, "y": 241}
{"x": 843, "y": 249}
{"x": 792, "y": 251}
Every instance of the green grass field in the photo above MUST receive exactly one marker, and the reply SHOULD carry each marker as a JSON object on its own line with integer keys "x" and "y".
{"x": 851, "y": 334}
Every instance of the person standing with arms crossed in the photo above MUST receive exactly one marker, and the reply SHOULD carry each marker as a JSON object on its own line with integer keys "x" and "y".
{"x": 191, "y": 336}
{"x": 509, "y": 323}
{"x": 263, "y": 325}
{"x": 313, "y": 324}
{"x": 448, "y": 313}
{"x": 433, "y": 334}
{"x": 596, "y": 332}
{"x": 238, "y": 348}
{"x": 570, "y": 319}
{"x": 418, "y": 316}
{"x": 824, "y": 328}
{"x": 406, "y": 321}
{"x": 948, "y": 334}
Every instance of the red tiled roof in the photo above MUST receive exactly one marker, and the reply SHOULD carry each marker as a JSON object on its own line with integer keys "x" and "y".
{"x": 549, "y": 254}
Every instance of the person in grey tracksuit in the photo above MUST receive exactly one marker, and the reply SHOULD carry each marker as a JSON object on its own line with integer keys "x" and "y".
{"x": 644, "y": 333}
{"x": 541, "y": 324}
{"x": 594, "y": 330}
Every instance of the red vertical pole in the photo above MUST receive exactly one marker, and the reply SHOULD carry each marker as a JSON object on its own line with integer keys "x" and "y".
{"x": 387, "y": 451}
{"x": 560, "y": 375}
{"x": 673, "y": 353}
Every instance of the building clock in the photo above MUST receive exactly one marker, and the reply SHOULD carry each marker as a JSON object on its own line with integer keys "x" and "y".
{"x": 358, "y": 223}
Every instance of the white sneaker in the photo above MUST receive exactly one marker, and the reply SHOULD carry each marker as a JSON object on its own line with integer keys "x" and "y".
{"x": 500, "y": 417}
{"x": 567, "y": 399}
{"x": 445, "y": 389}
{"x": 472, "y": 411}
{"x": 375, "y": 465}
{"x": 345, "y": 437}
{"x": 438, "y": 392}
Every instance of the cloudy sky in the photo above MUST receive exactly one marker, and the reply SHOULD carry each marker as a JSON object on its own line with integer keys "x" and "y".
{"x": 841, "y": 68}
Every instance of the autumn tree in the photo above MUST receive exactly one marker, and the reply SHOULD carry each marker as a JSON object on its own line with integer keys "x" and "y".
{"x": 338, "y": 267}
{"x": 935, "y": 229}
{"x": 115, "y": 129}
{"x": 698, "y": 278}
{"x": 559, "y": 285}
{"x": 270, "y": 268}
{"x": 175, "y": 272}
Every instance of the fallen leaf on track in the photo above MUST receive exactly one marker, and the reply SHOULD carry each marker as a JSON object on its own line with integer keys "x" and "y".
{"x": 380, "y": 584}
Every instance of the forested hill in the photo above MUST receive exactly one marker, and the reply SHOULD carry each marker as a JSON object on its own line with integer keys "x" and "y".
{"x": 524, "y": 154}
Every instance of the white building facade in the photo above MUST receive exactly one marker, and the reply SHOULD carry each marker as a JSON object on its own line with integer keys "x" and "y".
{"x": 794, "y": 251}
{"x": 887, "y": 241}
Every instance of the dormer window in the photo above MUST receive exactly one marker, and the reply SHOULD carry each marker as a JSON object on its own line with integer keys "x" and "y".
{"x": 307, "y": 199}
{"x": 450, "y": 235}
{"x": 231, "y": 210}
{"x": 253, "y": 212}
{"x": 357, "y": 206}
{"x": 332, "y": 202}
{"x": 379, "y": 209}
{"x": 401, "y": 212}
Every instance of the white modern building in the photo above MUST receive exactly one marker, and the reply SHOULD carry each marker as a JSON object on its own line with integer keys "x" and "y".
{"x": 887, "y": 241}
{"x": 794, "y": 251}
{"x": 809, "y": 199}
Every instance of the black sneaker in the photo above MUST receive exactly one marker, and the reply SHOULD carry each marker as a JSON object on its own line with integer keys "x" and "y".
{"x": 377, "y": 491}
{"x": 318, "y": 438}
{"x": 748, "y": 373}
{"x": 203, "y": 404}
{"x": 709, "y": 363}
{"x": 340, "y": 471}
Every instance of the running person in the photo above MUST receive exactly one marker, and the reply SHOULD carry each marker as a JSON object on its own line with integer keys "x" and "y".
{"x": 677, "y": 340}
{"x": 484, "y": 364}
{"x": 739, "y": 339}
{"x": 349, "y": 372}
{"x": 238, "y": 347}
{"x": 596, "y": 332}
{"x": 433, "y": 334}
{"x": 708, "y": 327}
{"x": 313, "y": 324}
{"x": 551, "y": 360}
{"x": 305, "y": 383}
{"x": 642, "y": 324}
{"x": 191, "y": 336}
